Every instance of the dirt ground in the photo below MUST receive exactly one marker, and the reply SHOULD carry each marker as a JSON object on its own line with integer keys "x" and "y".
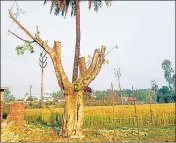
{"x": 33, "y": 133}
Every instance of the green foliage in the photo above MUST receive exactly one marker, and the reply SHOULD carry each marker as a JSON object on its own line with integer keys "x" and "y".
{"x": 142, "y": 95}
{"x": 164, "y": 95}
{"x": 169, "y": 74}
{"x": 107, "y": 61}
{"x": 57, "y": 95}
{"x": 30, "y": 98}
{"x": 21, "y": 49}
{"x": 8, "y": 97}
{"x": 99, "y": 94}
{"x": 77, "y": 87}
{"x": 116, "y": 47}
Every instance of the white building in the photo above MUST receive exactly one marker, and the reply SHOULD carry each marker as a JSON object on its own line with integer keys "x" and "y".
{"x": 48, "y": 96}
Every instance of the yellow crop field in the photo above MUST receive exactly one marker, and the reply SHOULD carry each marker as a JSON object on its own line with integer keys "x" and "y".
{"x": 102, "y": 116}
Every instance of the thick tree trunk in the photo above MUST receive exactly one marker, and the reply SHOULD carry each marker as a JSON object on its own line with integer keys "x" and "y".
{"x": 72, "y": 124}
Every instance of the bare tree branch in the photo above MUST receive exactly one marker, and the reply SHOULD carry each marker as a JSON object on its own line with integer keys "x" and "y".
{"x": 40, "y": 65}
{"x": 44, "y": 55}
{"x": 45, "y": 65}
{"x": 40, "y": 60}
{"x": 37, "y": 39}
{"x": 45, "y": 60}
{"x": 20, "y": 37}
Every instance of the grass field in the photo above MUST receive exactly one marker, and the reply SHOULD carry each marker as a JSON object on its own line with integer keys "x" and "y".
{"x": 43, "y": 125}
{"x": 101, "y": 117}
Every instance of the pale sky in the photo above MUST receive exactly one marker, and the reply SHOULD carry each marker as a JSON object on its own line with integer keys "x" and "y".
{"x": 143, "y": 30}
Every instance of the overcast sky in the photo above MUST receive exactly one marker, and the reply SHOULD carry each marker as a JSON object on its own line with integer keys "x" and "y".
{"x": 143, "y": 30}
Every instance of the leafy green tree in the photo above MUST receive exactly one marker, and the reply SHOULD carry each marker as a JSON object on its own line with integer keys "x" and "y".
{"x": 169, "y": 74}
{"x": 57, "y": 94}
{"x": 99, "y": 94}
{"x": 164, "y": 95}
{"x": 8, "y": 97}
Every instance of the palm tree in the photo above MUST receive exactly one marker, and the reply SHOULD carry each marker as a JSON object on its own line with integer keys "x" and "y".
{"x": 61, "y": 6}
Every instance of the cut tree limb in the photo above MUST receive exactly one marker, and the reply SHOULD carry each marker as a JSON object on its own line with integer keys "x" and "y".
{"x": 36, "y": 39}
{"x": 56, "y": 58}
{"x": 82, "y": 66}
{"x": 94, "y": 62}
{"x": 97, "y": 69}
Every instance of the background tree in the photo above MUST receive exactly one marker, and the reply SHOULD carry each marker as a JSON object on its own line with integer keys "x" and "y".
{"x": 164, "y": 95}
{"x": 57, "y": 94}
{"x": 169, "y": 74}
{"x": 99, "y": 94}
{"x": 8, "y": 96}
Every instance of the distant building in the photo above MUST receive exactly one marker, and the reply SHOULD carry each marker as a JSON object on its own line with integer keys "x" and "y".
{"x": 48, "y": 96}
{"x": 125, "y": 99}
{"x": 132, "y": 98}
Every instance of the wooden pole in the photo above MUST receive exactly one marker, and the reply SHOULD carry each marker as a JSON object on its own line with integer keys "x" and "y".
{"x": 30, "y": 89}
{"x": 112, "y": 96}
{"x": 135, "y": 111}
{"x": 118, "y": 75}
{"x": 42, "y": 64}
{"x": 150, "y": 100}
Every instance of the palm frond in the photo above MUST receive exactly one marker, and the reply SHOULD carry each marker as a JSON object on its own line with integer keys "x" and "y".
{"x": 97, "y": 4}
{"x": 56, "y": 10}
{"x": 61, "y": 6}
{"x": 45, "y": 2}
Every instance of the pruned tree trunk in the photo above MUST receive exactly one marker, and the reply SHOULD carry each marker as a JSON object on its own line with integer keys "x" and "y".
{"x": 72, "y": 124}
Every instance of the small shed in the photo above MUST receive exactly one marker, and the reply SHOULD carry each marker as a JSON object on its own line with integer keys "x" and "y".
{"x": 132, "y": 98}
{"x": 2, "y": 89}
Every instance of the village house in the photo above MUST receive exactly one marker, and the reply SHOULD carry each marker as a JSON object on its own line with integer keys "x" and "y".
{"x": 131, "y": 98}
{"x": 48, "y": 96}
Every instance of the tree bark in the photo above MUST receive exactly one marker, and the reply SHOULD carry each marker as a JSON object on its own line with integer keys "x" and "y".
{"x": 72, "y": 123}
{"x": 77, "y": 48}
